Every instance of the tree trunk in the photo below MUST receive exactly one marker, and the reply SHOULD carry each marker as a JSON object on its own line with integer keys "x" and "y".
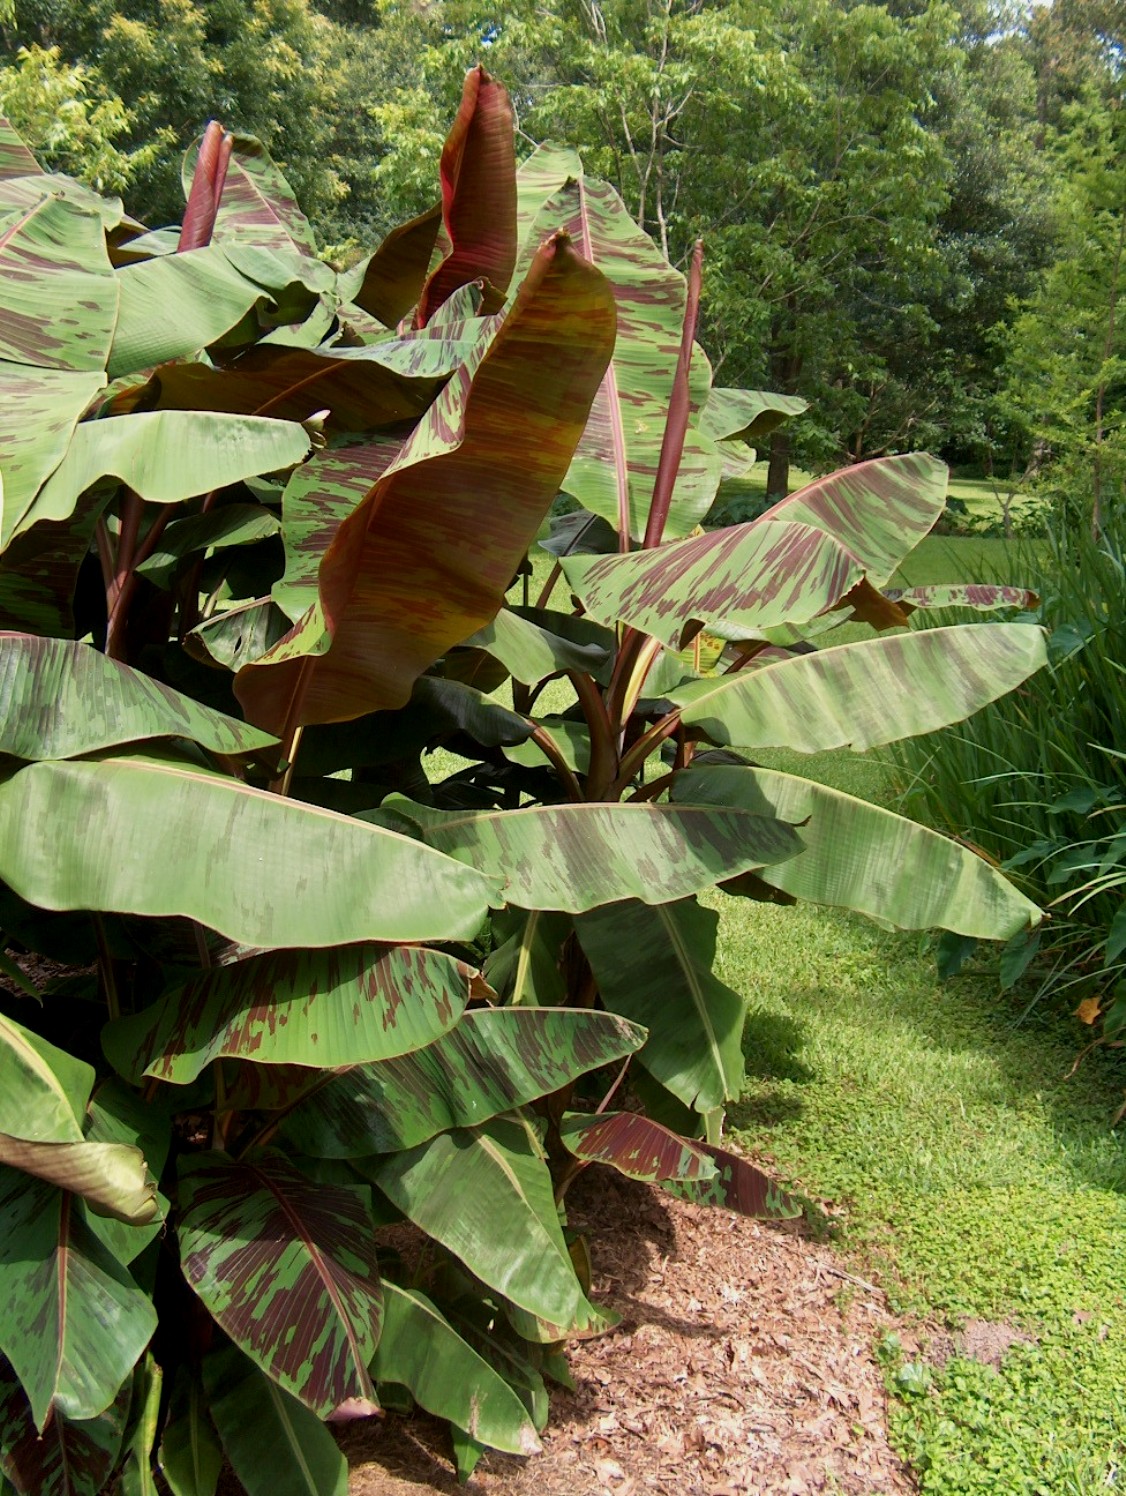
{"x": 778, "y": 471}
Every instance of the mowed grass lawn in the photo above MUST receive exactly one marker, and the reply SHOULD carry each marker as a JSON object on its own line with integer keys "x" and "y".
{"x": 959, "y": 1163}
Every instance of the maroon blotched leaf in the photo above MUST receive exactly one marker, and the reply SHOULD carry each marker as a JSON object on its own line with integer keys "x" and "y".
{"x": 70, "y": 1458}
{"x": 478, "y": 197}
{"x": 635, "y": 1146}
{"x": 288, "y": 1268}
{"x": 983, "y": 597}
{"x": 453, "y": 516}
{"x": 737, "y": 1185}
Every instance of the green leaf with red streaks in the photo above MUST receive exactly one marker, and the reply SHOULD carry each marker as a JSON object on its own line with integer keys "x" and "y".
{"x": 15, "y": 158}
{"x": 733, "y": 581}
{"x": 982, "y": 597}
{"x": 39, "y": 409}
{"x": 452, "y": 518}
{"x": 78, "y": 835}
{"x": 633, "y": 1145}
{"x": 615, "y": 465}
{"x": 747, "y": 415}
{"x": 275, "y": 1445}
{"x": 60, "y": 294}
{"x": 420, "y": 1350}
{"x": 74, "y": 1321}
{"x": 460, "y": 1184}
{"x": 738, "y": 1186}
{"x": 478, "y": 171}
{"x": 258, "y": 205}
{"x": 860, "y": 856}
{"x": 538, "y": 178}
{"x": 864, "y": 694}
{"x": 575, "y": 857}
{"x": 72, "y": 1457}
{"x": 879, "y": 510}
{"x": 388, "y": 283}
{"x": 59, "y": 699}
{"x": 288, "y": 1268}
{"x": 494, "y": 1060}
{"x": 346, "y": 1006}
{"x": 654, "y": 966}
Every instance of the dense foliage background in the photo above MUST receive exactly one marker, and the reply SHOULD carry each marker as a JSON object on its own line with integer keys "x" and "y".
{"x": 914, "y": 212}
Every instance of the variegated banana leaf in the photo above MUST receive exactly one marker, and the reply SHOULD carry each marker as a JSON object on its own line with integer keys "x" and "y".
{"x": 275, "y": 1445}
{"x": 654, "y": 966}
{"x": 864, "y": 694}
{"x": 860, "y": 856}
{"x": 453, "y": 517}
{"x": 634, "y": 1146}
{"x": 71, "y": 1457}
{"x": 538, "y": 178}
{"x": 478, "y": 171}
{"x": 460, "y": 1184}
{"x": 388, "y": 283}
{"x": 736, "y": 1185}
{"x": 346, "y": 1006}
{"x": 420, "y": 1350}
{"x": 264, "y": 1247}
{"x": 110, "y": 1177}
{"x": 39, "y": 409}
{"x": 15, "y": 158}
{"x": 190, "y": 1455}
{"x": 747, "y": 415}
{"x": 43, "y": 1090}
{"x": 615, "y": 465}
{"x": 496, "y": 1059}
{"x": 77, "y": 835}
{"x": 59, "y": 699}
{"x": 982, "y": 597}
{"x": 74, "y": 1321}
{"x": 258, "y": 205}
{"x": 576, "y": 857}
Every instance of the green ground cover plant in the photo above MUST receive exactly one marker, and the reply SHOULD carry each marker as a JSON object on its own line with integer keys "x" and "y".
{"x": 259, "y": 523}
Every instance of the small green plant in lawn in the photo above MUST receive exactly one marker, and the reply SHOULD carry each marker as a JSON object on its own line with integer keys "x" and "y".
{"x": 1039, "y": 780}
{"x": 259, "y": 523}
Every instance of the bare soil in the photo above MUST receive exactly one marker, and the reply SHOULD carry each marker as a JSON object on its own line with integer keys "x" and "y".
{"x": 743, "y": 1364}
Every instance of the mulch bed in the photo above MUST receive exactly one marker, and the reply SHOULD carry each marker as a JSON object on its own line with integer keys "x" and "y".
{"x": 739, "y": 1367}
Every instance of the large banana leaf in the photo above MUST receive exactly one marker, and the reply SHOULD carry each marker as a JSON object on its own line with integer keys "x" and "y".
{"x": 420, "y": 1350}
{"x": 860, "y": 856}
{"x": 43, "y": 1090}
{"x": 736, "y": 1185}
{"x": 735, "y": 581}
{"x": 69, "y": 1458}
{"x": 576, "y": 857}
{"x": 452, "y": 518}
{"x": 988, "y": 597}
{"x": 635, "y": 1146}
{"x": 864, "y": 694}
{"x": 461, "y": 1186}
{"x": 494, "y": 1060}
{"x": 615, "y": 465}
{"x": 79, "y": 835}
{"x": 880, "y": 509}
{"x": 276, "y": 1447}
{"x": 330, "y": 1008}
{"x": 478, "y": 171}
{"x": 538, "y": 178}
{"x": 74, "y": 1322}
{"x": 39, "y": 409}
{"x": 190, "y": 1454}
{"x": 167, "y": 456}
{"x": 257, "y": 205}
{"x": 654, "y": 966}
{"x": 747, "y": 415}
{"x": 60, "y": 295}
{"x": 388, "y": 283}
{"x": 59, "y": 699}
{"x": 265, "y": 1248}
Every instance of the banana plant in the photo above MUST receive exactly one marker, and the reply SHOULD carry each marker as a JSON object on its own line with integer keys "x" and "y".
{"x": 262, "y": 534}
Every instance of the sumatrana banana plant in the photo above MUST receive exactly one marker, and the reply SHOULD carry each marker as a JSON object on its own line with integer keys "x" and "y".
{"x": 273, "y": 984}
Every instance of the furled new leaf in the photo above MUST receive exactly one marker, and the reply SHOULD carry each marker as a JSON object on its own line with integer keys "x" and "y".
{"x": 346, "y": 1006}
{"x": 419, "y": 1349}
{"x": 635, "y": 1146}
{"x": 77, "y": 835}
{"x": 860, "y": 856}
{"x": 275, "y": 1445}
{"x": 575, "y": 857}
{"x": 59, "y": 699}
{"x": 864, "y": 694}
{"x": 74, "y": 1321}
{"x": 453, "y": 516}
{"x": 258, "y": 205}
{"x": 263, "y": 1247}
{"x": 459, "y": 1185}
{"x": 654, "y": 966}
{"x": 136, "y": 1473}
{"x": 496, "y": 1059}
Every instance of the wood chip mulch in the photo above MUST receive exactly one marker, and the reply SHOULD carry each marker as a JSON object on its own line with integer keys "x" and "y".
{"x": 740, "y": 1366}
